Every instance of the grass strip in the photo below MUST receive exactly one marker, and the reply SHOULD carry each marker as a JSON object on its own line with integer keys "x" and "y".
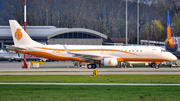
{"x": 88, "y": 93}
{"x": 164, "y": 79}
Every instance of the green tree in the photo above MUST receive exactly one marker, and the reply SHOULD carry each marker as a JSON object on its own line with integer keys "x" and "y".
{"x": 158, "y": 30}
{"x": 176, "y": 21}
{"x": 145, "y": 32}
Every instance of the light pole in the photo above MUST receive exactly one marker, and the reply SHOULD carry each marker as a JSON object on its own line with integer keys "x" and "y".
{"x": 58, "y": 24}
{"x": 138, "y": 22}
{"x": 25, "y": 65}
{"x": 47, "y": 16}
{"x": 126, "y": 23}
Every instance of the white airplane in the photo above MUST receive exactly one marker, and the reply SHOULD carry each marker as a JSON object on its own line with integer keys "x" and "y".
{"x": 14, "y": 56}
{"x": 10, "y": 56}
{"x": 107, "y": 55}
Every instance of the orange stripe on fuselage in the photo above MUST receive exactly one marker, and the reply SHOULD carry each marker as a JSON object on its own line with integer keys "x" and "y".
{"x": 50, "y": 56}
{"x": 60, "y": 58}
{"x": 80, "y": 50}
{"x": 48, "y": 48}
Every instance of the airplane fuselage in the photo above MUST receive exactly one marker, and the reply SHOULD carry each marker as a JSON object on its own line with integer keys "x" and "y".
{"x": 122, "y": 53}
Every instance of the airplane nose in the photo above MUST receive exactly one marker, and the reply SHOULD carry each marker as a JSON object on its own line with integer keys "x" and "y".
{"x": 173, "y": 57}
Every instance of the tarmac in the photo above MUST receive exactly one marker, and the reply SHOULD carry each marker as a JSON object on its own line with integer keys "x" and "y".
{"x": 15, "y": 68}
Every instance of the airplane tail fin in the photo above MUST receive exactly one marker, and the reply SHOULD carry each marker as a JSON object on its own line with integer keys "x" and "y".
{"x": 20, "y": 37}
{"x": 168, "y": 27}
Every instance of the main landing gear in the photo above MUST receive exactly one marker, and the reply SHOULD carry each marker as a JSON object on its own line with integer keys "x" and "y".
{"x": 154, "y": 65}
{"x": 91, "y": 66}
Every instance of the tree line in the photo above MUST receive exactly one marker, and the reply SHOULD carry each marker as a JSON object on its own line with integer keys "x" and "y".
{"x": 105, "y": 16}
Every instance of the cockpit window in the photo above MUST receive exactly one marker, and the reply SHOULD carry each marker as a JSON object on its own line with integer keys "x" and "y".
{"x": 163, "y": 50}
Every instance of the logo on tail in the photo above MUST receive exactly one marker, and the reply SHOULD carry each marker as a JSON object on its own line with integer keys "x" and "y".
{"x": 18, "y": 34}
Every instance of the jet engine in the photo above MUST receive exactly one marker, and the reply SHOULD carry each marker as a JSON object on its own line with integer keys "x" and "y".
{"x": 109, "y": 62}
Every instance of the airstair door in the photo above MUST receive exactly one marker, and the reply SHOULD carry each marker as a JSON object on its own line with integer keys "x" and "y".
{"x": 153, "y": 50}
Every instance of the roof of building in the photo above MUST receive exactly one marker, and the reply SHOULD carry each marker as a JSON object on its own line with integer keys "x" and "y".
{"x": 47, "y": 31}
{"x": 31, "y": 27}
{"x": 77, "y": 30}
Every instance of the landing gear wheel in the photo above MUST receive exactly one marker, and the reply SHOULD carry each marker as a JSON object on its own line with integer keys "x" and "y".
{"x": 157, "y": 66}
{"x": 10, "y": 60}
{"x": 153, "y": 65}
{"x": 91, "y": 66}
{"x": 19, "y": 60}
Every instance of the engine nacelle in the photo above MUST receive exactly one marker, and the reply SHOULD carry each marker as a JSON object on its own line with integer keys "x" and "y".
{"x": 109, "y": 62}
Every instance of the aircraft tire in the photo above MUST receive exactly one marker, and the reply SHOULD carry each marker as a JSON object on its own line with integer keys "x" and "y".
{"x": 19, "y": 60}
{"x": 10, "y": 60}
{"x": 157, "y": 66}
{"x": 153, "y": 65}
{"x": 94, "y": 66}
{"x": 91, "y": 66}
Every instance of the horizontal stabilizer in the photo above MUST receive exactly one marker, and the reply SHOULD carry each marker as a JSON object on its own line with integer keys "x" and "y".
{"x": 15, "y": 48}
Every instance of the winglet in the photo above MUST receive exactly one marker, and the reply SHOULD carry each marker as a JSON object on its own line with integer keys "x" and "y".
{"x": 168, "y": 27}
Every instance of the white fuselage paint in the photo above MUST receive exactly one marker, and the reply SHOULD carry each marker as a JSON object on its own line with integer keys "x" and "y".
{"x": 127, "y": 53}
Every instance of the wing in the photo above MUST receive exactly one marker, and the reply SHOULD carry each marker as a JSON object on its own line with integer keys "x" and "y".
{"x": 86, "y": 56}
{"x": 153, "y": 42}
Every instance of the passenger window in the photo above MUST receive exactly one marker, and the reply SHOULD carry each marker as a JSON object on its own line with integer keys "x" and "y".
{"x": 133, "y": 50}
{"x": 140, "y": 50}
{"x": 137, "y": 51}
{"x": 129, "y": 50}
